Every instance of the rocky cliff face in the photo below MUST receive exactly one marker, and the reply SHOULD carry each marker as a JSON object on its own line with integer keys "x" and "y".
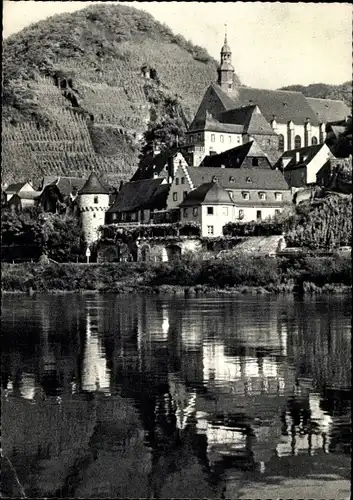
{"x": 80, "y": 89}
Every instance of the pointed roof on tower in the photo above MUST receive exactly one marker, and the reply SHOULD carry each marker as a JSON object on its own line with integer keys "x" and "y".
{"x": 225, "y": 47}
{"x": 93, "y": 186}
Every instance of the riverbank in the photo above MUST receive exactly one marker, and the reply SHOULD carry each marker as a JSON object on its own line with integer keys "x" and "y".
{"x": 257, "y": 275}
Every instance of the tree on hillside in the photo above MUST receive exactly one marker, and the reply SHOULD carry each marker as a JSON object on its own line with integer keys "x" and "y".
{"x": 167, "y": 133}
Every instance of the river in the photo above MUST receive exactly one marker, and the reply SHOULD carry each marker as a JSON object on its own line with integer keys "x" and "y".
{"x": 128, "y": 396}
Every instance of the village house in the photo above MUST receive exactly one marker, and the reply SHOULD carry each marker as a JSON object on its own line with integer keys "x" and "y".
{"x": 214, "y": 196}
{"x": 222, "y": 119}
{"x": 137, "y": 201}
{"x": 22, "y": 200}
{"x": 301, "y": 166}
{"x": 18, "y": 187}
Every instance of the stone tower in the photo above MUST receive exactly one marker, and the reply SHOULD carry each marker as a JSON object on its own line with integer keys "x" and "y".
{"x": 93, "y": 202}
{"x": 225, "y": 69}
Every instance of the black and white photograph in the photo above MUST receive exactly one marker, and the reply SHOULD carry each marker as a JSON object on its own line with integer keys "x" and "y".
{"x": 176, "y": 236}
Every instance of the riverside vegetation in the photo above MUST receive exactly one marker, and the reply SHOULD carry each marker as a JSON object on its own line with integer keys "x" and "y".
{"x": 241, "y": 273}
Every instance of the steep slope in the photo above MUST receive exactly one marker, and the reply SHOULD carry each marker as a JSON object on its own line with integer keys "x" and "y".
{"x": 80, "y": 89}
{"x": 341, "y": 92}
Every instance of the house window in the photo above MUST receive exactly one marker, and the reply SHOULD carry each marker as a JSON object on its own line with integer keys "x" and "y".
{"x": 278, "y": 196}
{"x": 281, "y": 142}
{"x": 177, "y": 182}
{"x": 94, "y": 216}
{"x": 182, "y": 180}
{"x": 185, "y": 213}
{"x": 241, "y": 214}
{"x": 213, "y": 138}
{"x": 210, "y": 230}
{"x": 195, "y": 212}
{"x": 221, "y": 138}
{"x": 258, "y": 215}
{"x": 245, "y": 195}
{"x": 238, "y": 140}
{"x": 297, "y": 142}
{"x": 95, "y": 200}
{"x": 230, "y": 138}
{"x": 262, "y": 196}
{"x": 255, "y": 162}
{"x": 175, "y": 196}
{"x": 314, "y": 141}
{"x": 209, "y": 210}
{"x": 225, "y": 210}
{"x": 185, "y": 193}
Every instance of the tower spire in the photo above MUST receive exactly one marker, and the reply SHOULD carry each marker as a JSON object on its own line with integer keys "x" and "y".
{"x": 225, "y": 69}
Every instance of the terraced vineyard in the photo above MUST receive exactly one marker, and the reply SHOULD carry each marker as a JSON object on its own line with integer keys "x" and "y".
{"x": 76, "y": 97}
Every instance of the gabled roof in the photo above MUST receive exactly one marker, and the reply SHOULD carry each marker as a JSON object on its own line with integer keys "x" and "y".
{"x": 234, "y": 158}
{"x": 93, "y": 186}
{"x": 214, "y": 102}
{"x": 328, "y": 110}
{"x": 138, "y": 195}
{"x": 250, "y": 117}
{"x": 210, "y": 193}
{"x": 15, "y": 187}
{"x": 155, "y": 164}
{"x": 307, "y": 152}
{"x": 239, "y": 178}
{"x": 284, "y": 105}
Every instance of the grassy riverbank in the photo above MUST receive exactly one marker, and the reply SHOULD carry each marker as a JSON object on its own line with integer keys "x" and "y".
{"x": 241, "y": 274}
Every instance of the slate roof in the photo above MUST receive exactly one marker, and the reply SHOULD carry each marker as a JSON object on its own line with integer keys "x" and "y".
{"x": 308, "y": 151}
{"x": 210, "y": 193}
{"x": 283, "y": 104}
{"x": 329, "y": 110}
{"x": 15, "y": 187}
{"x": 237, "y": 178}
{"x": 234, "y": 158}
{"x": 138, "y": 195}
{"x": 154, "y": 164}
{"x": 250, "y": 117}
{"x": 93, "y": 186}
{"x": 67, "y": 184}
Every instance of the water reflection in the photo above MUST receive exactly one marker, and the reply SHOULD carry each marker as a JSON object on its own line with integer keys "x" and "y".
{"x": 184, "y": 394}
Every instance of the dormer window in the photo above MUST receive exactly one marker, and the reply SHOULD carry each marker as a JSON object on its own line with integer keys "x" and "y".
{"x": 262, "y": 195}
{"x": 214, "y": 179}
{"x": 231, "y": 179}
{"x": 248, "y": 180}
{"x": 231, "y": 194}
{"x": 245, "y": 195}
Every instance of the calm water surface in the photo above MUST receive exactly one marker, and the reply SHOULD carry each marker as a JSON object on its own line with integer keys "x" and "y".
{"x": 149, "y": 397}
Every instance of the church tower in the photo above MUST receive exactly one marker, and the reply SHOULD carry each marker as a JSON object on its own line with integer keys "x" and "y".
{"x": 225, "y": 69}
{"x": 93, "y": 202}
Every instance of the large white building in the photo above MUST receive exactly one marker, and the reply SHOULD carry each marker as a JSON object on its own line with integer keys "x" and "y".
{"x": 284, "y": 120}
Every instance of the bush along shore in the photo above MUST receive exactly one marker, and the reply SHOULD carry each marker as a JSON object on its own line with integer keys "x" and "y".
{"x": 234, "y": 275}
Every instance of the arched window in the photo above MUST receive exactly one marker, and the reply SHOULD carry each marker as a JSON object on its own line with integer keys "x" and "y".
{"x": 314, "y": 141}
{"x": 281, "y": 142}
{"x": 297, "y": 142}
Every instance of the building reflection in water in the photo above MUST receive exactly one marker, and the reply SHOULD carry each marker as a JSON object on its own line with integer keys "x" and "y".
{"x": 219, "y": 382}
{"x": 95, "y": 373}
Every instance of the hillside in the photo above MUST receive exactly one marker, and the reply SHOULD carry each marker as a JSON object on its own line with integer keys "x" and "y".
{"x": 341, "y": 92}
{"x": 80, "y": 89}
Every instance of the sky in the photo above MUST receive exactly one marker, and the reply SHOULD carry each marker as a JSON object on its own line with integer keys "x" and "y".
{"x": 273, "y": 44}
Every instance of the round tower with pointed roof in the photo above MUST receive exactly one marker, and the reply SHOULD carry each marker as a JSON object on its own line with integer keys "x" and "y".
{"x": 225, "y": 69}
{"x": 93, "y": 202}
